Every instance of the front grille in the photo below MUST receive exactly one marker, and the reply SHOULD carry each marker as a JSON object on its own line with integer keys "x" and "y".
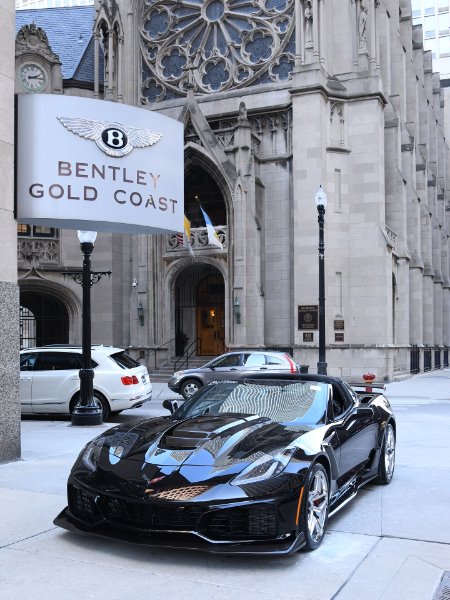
{"x": 83, "y": 505}
{"x": 250, "y": 522}
{"x": 132, "y": 514}
{"x": 241, "y": 523}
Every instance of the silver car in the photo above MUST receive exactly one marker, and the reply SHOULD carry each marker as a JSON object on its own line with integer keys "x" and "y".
{"x": 232, "y": 365}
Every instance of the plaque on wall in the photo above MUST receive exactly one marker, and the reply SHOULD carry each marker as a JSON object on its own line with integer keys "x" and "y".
{"x": 308, "y": 336}
{"x": 308, "y": 317}
{"x": 338, "y": 337}
{"x": 339, "y": 324}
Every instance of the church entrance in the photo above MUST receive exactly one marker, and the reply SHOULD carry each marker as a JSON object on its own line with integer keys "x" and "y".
{"x": 43, "y": 320}
{"x": 200, "y": 311}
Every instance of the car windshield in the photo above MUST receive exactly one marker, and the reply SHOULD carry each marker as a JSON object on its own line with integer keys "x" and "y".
{"x": 280, "y": 401}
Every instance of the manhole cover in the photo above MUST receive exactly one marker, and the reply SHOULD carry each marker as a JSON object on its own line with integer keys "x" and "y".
{"x": 443, "y": 591}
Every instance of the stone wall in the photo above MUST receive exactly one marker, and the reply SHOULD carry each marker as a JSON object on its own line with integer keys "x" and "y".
{"x": 9, "y": 296}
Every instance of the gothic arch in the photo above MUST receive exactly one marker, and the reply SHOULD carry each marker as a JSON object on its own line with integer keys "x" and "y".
{"x": 185, "y": 280}
{"x": 40, "y": 287}
{"x": 196, "y": 154}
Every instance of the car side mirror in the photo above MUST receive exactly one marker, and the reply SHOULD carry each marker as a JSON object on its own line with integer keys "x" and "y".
{"x": 170, "y": 405}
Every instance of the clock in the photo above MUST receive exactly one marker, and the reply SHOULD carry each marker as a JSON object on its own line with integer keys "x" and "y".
{"x": 32, "y": 77}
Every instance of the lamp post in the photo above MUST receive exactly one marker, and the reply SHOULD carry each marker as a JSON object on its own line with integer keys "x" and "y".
{"x": 86, "y": 412}
{"x": 321, "y": 203}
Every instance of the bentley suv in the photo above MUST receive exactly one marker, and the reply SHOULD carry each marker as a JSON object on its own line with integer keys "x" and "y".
{"x": 50, "y": 383}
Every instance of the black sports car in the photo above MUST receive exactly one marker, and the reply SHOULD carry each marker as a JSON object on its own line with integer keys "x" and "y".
{"x": 250, "y": 466}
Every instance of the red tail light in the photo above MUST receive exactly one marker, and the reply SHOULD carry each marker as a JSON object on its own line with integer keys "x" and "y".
{"x": 129, "y": 380}
{"x": 294, "y": 368}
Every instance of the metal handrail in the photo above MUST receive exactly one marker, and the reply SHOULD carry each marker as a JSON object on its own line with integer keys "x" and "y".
{"x": 184, "y": 358}
{"x": 159, "y": 348}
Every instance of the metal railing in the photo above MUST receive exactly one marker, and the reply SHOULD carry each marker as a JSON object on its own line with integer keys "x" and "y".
{"x": 155, "y": 350}
{"x": 437, "y": 358}
{"x": 427, "y": 359}
{"x": 183, "y": 360}
{"x": 415, "y": 359}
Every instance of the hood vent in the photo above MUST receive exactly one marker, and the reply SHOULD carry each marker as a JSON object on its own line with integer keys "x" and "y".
{"x": 192, "y": 433}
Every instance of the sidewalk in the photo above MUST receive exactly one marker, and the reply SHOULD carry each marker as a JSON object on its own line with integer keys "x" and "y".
{"x": 391, "y": 543}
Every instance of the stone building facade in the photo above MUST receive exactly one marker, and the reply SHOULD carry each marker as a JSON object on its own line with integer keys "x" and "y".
{"x": 9, "y": 291}
{"x": 277, "y": 98}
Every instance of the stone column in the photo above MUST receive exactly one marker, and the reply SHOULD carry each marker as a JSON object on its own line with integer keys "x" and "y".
{"x": 9, "y": 292}
{"x": 316, "y": 50}
{"x": 119, "y": 68}
{"x": 111, "y": 74}
{"x": 247, "y": 286}
{"x": 96, "y": 66}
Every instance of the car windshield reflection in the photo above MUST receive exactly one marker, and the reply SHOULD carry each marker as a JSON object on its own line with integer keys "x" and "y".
{"x": 280, "y": 401}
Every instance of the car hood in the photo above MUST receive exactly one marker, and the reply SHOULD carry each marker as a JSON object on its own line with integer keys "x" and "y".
{"x": 196, "y": 449}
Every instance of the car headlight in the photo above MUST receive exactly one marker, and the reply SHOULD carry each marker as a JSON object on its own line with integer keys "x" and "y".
{"x": 178, "y": 374}
{"x": 265, "y": 467}
{"x": 91, "y": 453}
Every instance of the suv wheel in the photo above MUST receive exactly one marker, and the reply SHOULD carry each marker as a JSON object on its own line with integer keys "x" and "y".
{"x": 189, "y": 387}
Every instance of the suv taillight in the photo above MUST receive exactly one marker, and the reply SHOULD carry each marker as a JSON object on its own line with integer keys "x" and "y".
{"x": 129, "y": 380}
{"x": 294, "y": 368}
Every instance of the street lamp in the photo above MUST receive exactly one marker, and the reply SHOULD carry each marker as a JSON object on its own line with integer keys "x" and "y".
{"x": 87, "y": 412}
{"x": 321, "y": 203}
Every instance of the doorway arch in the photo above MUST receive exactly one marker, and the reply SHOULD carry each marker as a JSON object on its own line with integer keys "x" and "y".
{"x": 200, "y": 310}
{"x": 44, "y": 319}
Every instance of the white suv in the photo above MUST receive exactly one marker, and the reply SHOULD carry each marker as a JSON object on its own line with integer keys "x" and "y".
{"x": 50, "y": 382}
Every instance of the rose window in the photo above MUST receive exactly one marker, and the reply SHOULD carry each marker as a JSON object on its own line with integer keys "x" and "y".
{"x": 214, "y": 45}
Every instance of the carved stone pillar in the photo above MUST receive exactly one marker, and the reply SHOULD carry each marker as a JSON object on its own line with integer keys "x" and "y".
{"x": 96, "y": 65}
{"x": 110, "y": 65}
{"x": 119, "y": 68}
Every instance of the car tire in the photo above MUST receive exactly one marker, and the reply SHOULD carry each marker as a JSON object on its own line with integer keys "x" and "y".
{"x": 189, "y": 387}
{"x": 99, "y": 400}
{"x": 314, "y": 509}
{"x": 386, "y": 464}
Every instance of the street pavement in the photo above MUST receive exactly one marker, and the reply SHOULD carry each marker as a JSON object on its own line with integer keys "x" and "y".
{"x": 391, "y": 543}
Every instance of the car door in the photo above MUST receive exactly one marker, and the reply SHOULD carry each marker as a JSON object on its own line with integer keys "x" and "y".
{"x": 225, "y": 367}
{"x": 254, "y": 363}
{"x": 356, "y": 429}
{"x": 55, "y": 380}
{"x": 27, "y": 362}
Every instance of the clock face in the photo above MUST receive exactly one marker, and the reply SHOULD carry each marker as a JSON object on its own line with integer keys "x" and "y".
{"x": 32, "y": 77}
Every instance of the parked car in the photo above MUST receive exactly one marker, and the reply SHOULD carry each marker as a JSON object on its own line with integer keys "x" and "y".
{"x": 50, "y": 383}
{"x": 232, "y": 365}
{"x": 252, "y": 466}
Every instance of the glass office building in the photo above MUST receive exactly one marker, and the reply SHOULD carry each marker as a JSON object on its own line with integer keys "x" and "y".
{"x": 26, "y": 4}
{"x": 434, "y": 15}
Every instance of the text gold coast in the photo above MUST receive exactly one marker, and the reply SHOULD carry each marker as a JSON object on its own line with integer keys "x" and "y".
{"x": 121, "y": 175}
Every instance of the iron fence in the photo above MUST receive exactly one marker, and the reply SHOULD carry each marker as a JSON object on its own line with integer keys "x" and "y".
{"x": 415, "y": 359}
{"x": 427, "y": 359}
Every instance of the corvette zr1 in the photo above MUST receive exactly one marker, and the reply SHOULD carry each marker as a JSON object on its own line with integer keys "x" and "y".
{"x": 252, "y": 466}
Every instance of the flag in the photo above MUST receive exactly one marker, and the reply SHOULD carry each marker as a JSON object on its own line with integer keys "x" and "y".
{"x": 213, "y": 238}
{"x": 185, "y": 235}
{"x": 187, "y": 229}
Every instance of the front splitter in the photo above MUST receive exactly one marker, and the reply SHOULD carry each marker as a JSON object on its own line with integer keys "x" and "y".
{"x": 185, "y": 540}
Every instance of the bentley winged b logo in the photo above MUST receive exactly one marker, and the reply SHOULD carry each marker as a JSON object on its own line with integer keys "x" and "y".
{"x": 112, "y": 138}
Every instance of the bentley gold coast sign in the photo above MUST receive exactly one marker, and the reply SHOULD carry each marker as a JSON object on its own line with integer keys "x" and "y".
{"x": 96, "y": 165}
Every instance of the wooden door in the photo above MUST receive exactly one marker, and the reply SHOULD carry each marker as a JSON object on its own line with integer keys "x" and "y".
{"x": 211, "y": 330}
